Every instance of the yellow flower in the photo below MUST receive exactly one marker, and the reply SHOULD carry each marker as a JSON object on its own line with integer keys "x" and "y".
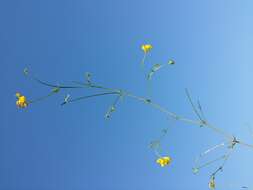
{"x": 146, "y": 47}
{"x": 163, "y": 161}
{"x": 21, "y": 102}
{"x": 212, "y": 183}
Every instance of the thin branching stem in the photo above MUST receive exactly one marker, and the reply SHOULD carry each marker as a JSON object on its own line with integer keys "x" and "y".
{"x": 90, "y": 85}
{"x": 245, "y": 144}
{"x": 180, "y": 118}
{"x": 192, "y": 104}
{"x": 147, "y": 101}
{"x": 226, "y": 157}
{"x": 41, "y": 98}
{"x": 223, "y": 157}
{"x": 91, "y": 96}
{"x": 201, "y": 111}
{"x": 49, "y": 84}
{"x": 212, "y": 161}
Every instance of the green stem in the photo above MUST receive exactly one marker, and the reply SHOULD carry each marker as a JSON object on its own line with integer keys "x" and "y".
{"x": 212, "y": 161}
{"x": 226, "y": 156}
{"x": 91, "y": 96}
{"x": 41, "y": 98}
{"x": 51, "y": 85}
{"x": 180, "y": 118}
{"x": 90, "y": 85}
{"x": 144, "y": 100}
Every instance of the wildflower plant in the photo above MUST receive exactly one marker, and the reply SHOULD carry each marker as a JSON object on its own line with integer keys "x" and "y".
{"x": 230, "y": 141}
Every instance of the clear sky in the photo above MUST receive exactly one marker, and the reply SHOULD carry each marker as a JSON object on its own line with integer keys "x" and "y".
{"x": 49, "y": 147}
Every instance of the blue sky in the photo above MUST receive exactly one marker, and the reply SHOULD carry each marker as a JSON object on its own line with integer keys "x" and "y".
{"x": 48, "y": 147}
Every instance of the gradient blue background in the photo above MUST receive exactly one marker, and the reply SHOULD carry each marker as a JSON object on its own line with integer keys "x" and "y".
{"x": 48, "y": 147}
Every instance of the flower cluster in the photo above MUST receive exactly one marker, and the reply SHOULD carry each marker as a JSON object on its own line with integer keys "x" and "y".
{"x": 163, "y": 161}
{"x": 21, "y": 101}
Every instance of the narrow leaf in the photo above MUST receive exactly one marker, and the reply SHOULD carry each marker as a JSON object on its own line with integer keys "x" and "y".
{"x": 155, "y": 68}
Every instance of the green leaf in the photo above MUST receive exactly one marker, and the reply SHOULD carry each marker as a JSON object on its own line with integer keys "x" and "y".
{"x": 56, "y": 89}
{"x": 88, "y": 77}
{"x": 148, "y": 101}
{"x": 150, "y": 75}
{"x": 171, "y": 62}
{"x": 25, "y": 71}
{"x": 155, "y": 68}
{"x": 195, "y": 170}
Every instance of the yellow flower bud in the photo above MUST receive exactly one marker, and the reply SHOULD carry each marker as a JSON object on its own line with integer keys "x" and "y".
{"x": 212, "y": 183}
{"x": 18, "y": 94}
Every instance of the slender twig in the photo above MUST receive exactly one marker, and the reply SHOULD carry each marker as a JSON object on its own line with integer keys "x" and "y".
{"x": 192, "y": 104}
{"x": 52, "y": 85}
{"x": 91, "y": 96}
{"x": 220, "y": 168}
{"x": 41, "y": 98}
{"x": 143, "y": 59}
{"x": 90, "y": 85}
{"x": 212, "y": 149}
{"x": 245, "y": 144}
{"x": 201, "y": 111}
{"x": 212, "y": 161}
{"x": 207, "y": 152}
